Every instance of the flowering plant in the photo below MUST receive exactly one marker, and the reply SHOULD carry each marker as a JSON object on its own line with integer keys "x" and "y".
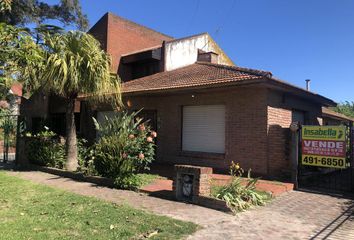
{"x": 238, "y": 194}
{"x": 236, "y": 170}
{"x": 126, "y": 147}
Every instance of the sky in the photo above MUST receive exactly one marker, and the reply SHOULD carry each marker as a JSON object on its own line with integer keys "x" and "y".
{"x": 295, "y": 40}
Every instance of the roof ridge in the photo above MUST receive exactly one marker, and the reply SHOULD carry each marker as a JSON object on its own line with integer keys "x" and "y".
{"x": 328, "y": 111}
{"x": 241, "y": 69}
{"x": 141, "y": 50}
{"x": 138, "y": 24}
{"x": 188, "y": 37}
{"x": 233, "y": 68}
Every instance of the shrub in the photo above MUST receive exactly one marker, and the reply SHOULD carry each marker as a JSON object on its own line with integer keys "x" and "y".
{"x": 239, "y": 196}
{"x": 86, "y": 158}
{"x": 45, "y": 149}
{"x": 126, "y": 147}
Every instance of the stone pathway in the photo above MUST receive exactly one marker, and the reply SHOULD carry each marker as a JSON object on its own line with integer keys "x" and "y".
{"x": 293, "y": 215}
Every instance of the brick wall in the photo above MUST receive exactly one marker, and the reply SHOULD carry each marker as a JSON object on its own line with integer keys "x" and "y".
{"x": 279, "y": 111}
{"x": 257, "y": 122}
{"x": 99, "y": 31}
{"x": 35, "y": 107}
{"x": 246, "y": 127}
{"x": 279, "y": 120}
{"x": 119, "y": 36}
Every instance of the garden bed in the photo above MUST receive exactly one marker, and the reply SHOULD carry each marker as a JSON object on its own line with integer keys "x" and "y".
{"x": 146, "y": 178}
{"x": 275, "y": 188}
{"x": 155, "y": 185}
{"x": 102, "y": 181}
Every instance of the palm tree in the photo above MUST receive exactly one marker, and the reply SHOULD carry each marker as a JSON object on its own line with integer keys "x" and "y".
{"x": 74, "y": 64}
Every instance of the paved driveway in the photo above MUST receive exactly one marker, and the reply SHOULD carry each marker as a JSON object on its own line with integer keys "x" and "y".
{"x": 294, "y": 215}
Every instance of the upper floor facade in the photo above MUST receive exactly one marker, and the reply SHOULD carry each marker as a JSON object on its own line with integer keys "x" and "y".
{"x": 138, "y": 51}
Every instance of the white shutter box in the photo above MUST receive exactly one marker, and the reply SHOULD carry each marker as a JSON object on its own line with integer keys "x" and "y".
{"x": 203, "y": 128}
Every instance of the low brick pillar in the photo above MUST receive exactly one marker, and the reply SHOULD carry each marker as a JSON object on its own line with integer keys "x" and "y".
{"x": 190, "y": 182}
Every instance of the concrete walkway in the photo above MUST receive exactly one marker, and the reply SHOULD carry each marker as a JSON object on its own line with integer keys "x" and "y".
{"x": 294, "y": 215}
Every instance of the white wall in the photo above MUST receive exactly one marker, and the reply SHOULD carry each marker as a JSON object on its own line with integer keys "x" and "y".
{"x": 183, "y": 52}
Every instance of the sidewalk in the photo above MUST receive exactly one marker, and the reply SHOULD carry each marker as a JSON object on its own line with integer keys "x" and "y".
{"x": 293, "y": 215}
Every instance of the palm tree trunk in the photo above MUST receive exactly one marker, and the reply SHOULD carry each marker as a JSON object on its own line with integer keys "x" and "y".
{"x": 71, "y": 140}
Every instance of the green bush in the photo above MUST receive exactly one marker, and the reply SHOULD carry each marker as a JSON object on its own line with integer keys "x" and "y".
{"x": 48, "y": 149}
{"x": 125, "y": 148}
{"x": 45, "y": 149}
{"x": 239, "y": 196}
{"x": 86, "y": 158}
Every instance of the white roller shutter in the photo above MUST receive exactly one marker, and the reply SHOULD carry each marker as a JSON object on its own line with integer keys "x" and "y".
{"x": 204, "y": 128}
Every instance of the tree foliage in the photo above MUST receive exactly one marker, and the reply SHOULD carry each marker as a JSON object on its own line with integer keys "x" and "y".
{"x": 67, "y": 64}
{"x": 73, "y": 63}
{"x": 346, "y": 108}
{"x": 17, "y": 51}
{"x": 5, "y": 5}
{"x": 22, "y": 12}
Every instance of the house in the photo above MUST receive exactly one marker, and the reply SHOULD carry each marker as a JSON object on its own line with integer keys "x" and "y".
{"x": 207, "y": 110}
{"x": 330, "y": 117}
{"x": 13, "y": 99}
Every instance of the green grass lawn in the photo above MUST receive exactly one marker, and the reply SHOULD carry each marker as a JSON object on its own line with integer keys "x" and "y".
{"x": 33, "y": 211}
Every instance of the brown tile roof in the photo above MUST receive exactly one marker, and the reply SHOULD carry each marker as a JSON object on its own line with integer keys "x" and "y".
{"x": 326, "y": 112}
{"x": 195, "y": 75}
{"x": 209, "y": 75}
{"x": 16, "y": 88}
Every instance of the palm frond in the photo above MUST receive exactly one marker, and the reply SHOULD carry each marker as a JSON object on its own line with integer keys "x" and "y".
{"x": 77, "y": 65}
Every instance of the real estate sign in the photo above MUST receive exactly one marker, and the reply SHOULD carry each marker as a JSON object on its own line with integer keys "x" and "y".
{"x": 324, "y": 146}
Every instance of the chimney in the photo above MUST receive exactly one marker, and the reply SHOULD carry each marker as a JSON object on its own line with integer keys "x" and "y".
{"x": 308, "y": 84}
{"x": 210, "y": 57}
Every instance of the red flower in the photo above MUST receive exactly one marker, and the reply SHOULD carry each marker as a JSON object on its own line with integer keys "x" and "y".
{"x": 141, "y": 156}
{"x": 124, "y": 155}
{"x": 149, "y": 139}
{"x": 131, "y": 136}
{"x": 142, "y": 127}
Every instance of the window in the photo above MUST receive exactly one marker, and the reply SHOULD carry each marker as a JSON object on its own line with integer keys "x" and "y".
{"x": 203, "y": 128}
{"x": 149, "y": 116}
{"x": 101, "y": 118}
{"x": 57, "y": 123}
{"x": 298, "y": 116}
{"x": 38, "y": 124}
{"x": 142, "y": 69}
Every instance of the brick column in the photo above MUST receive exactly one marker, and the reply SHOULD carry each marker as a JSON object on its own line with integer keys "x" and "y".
{"x": 193, "y": 178}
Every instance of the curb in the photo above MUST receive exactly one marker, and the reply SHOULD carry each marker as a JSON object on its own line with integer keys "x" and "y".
{"x": 102, "y": 181}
